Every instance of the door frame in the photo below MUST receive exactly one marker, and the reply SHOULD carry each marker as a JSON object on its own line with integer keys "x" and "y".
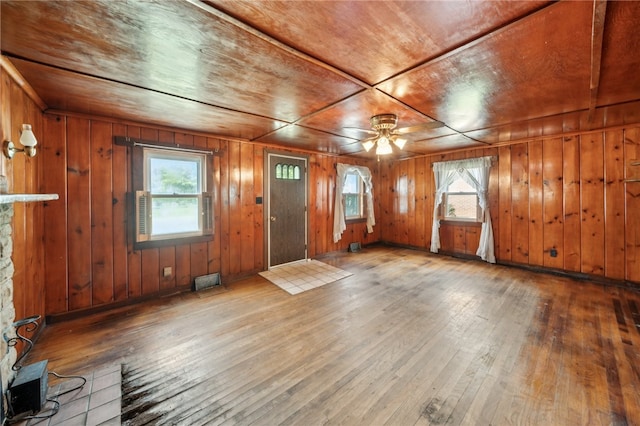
{"x": 267, "y": 202}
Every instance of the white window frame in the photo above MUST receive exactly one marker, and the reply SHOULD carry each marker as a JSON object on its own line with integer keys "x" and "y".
{"x": 144, "y": 198}
{"x": 444, "y": 212}
{"x": 359, "y": 194}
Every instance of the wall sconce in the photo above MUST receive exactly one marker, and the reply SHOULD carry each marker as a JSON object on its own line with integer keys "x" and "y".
{"x": 28, "y": 141}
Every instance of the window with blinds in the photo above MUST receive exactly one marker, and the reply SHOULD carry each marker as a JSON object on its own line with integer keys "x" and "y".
{"x": 174, "y": 202}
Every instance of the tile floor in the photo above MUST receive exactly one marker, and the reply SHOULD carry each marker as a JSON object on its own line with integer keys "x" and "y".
{"x": 98, "y": 402}
{"x": 305, "y": 275}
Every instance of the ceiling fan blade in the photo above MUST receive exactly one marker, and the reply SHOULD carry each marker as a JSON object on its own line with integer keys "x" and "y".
{"x": 419, "y": 128}
{"x": 370, "y": 131}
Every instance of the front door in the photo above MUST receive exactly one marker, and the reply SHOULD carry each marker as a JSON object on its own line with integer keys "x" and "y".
{"x": 286, "y": 209}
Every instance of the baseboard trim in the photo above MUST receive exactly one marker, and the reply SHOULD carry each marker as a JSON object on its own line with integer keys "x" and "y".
{"x": 67, "y": 316}
{"x": 597, "y": 279}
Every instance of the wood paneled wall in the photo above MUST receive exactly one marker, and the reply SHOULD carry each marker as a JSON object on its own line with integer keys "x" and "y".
{"x": 563, "y": 193}
{"x": 22, "y": 175}
{"x": 72, "y": 254}
{"x": 90, "y": 258}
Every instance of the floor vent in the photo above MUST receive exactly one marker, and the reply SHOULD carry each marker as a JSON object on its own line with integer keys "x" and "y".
{"x": 206, "y": 281}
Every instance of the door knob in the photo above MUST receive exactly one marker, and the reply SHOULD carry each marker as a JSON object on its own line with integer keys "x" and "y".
{"x": 273, "y": 218}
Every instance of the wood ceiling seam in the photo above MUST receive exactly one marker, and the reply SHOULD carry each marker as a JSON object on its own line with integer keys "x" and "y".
{"x": 277, "y": 43}
{"x": 325, "y": 108}
{"x": 448, "y": 53}
{"x": 524, "y": 140}
{"x": 458, "y": 132}
{"x": 597, "y": 36}
{"x": 604, "y": 126}
{"x": 462, "y": 46}
{"x": 44, "y": 107}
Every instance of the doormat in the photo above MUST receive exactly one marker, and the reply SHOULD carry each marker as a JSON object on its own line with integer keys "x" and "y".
{"x": 297, "y": 277}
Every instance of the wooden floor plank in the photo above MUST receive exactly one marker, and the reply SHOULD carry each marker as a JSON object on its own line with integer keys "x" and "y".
{"x": 410, "y": 338}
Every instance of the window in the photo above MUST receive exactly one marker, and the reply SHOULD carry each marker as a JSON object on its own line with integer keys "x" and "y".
{"x": 352, "y": 195}
{"x": 355, "y": 181}
{"x": 455, "y": 200}
{"x": 174, "y": 202}
{"x": 460, "y": 202}
{"x": 287, "y": 172}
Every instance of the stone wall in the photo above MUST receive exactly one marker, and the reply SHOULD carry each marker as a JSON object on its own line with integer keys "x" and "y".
{"x": 7, "y": 310}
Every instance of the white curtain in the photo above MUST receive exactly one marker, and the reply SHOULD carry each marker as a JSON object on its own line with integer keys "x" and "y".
{"x": 444, "y": 176}
{"x": 474, "y": 171}
{"x": 339, "y": 224}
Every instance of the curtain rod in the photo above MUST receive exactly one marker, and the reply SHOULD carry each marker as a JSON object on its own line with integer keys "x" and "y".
{"x": 494, "y": 158}
{"x": 172, "y": 148}
{"x": 127, "y": 141}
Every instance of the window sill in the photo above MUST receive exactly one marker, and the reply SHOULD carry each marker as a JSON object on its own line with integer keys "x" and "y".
{"x": 141, "y": 245}
{"x": 458, "y": 222}
{"x": 358, "y": 220}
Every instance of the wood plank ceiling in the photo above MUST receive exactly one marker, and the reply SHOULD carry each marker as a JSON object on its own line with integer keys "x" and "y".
{"x": 296, "y": 73}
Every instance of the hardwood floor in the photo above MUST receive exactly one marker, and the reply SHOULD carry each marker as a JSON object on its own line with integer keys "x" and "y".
{"x": 409, "y": 339}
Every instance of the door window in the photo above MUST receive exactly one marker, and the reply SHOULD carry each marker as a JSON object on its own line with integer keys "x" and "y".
{"x": 287, "y": 171}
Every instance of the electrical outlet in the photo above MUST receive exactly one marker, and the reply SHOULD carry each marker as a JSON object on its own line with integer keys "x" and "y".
{"x": 166, "y": 271}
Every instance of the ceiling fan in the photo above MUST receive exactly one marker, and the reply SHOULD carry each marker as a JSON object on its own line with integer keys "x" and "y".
{"x": 383, "y": 127}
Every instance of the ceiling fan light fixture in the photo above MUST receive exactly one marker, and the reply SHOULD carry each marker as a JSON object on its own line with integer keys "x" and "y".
{"x": 384, "y": 121}
{"x": 399, "y": 142}
{"x": 368, "y": 145}
{"x": 383, "y": 147}
{"x": 383, "y": 126}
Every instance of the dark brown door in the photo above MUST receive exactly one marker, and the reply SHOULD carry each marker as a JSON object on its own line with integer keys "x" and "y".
{"x": 287, "y": 209}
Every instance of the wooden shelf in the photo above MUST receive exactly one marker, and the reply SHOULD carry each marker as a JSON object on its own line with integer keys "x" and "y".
{"x": 26, "y": 198}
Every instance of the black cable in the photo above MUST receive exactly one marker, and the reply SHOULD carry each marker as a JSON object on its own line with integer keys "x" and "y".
{"x": 53, "y": 411}
{"x": 61, "y": 376}
{"x": 56, "y": 405}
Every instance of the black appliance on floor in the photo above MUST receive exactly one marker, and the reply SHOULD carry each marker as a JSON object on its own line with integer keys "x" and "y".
{"x": 28, "y": 390}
